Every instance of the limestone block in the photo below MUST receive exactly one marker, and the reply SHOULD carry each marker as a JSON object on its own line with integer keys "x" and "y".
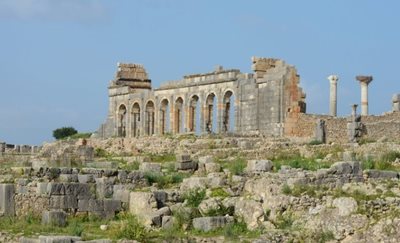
{"x": 156, "y": 217}
{"x": 251, "y": 211}
{"x": 186, "y": 165}
{"x": 104, "y": 187}
{"x": 257, "y": 166}
{"x": 90, "y": 205}
{"x": 345, "y": 205}
{"x": 183, "y": 158}
{"x": 142, "y": 203}
{"x": 7, "y": 203}
{"x": 381, "y": 174}
{"x": 58, "y": 239}
{"x": 341, "y": 168}
{"x": 121, "y": 192}
{"x": 63, "y": 202}
{"x": 192, "y": 183}
{"x": 209, "y": 223}
{"x": 88, "y": 178}
{"x": 68, "y": 178}
{"x": 167, "y": 222}
{"x": 111, "y": 205}
{"x": 28, "y": 240}
{"x": 150, "y": 167}
{"x": 349, "y": 156}
{"x": 41, "y": 188}
{"x": 212, "y": 167}
{"x": 206, "y": 159}
{"x": 55, "y": 218}
{"x": 79, "y": 190}
{"x": 54, "y": 188}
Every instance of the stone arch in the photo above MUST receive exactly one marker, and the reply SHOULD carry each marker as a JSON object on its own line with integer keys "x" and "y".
{"x": 210, "y": 112}
{"x": 164, "y": 116}
{"x": 194, "y": 114}
{"x": 178, "y": 115}
{"x": 135, "y": 121}
{"x": 149, "y": 117}
{"x": 228, "y": 111}
{"x": 121, "y": 120}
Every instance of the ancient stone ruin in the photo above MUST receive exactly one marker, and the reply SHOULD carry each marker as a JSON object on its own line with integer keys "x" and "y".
{"x": 222, "y": 101}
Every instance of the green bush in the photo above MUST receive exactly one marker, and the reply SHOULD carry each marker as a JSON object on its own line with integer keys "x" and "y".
{"x": 99, "y": 152}
{"x": 81, "y": 135}
{"x": 163, "y": 181}
{"x": 195, "y": 197}
{"x": 219, "y": 192}
{"x": 237, "y": 166}
{"x": 130, "y": 228}
{"x": 64, "y": 132}
{"x": 284, "y": 221}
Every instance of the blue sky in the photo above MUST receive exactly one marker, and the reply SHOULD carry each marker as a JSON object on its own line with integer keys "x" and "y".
{"x": 57, "y": 56}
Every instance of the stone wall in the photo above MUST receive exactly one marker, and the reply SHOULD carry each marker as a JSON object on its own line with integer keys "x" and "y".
{"x": 386, "y": 126}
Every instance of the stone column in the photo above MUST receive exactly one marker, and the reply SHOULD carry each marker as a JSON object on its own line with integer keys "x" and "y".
{"x": 354, "y": 110}
{"x": 364, "y": 82}
{"x": 396, "y": 102}
{"x": 333, "y": 95}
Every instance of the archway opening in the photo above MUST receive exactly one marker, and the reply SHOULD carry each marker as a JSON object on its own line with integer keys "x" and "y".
{"x": 228, "y": 113}
{"x": 135, "y": 120}
{"x": 211, "y": 113}
{"x": 194, "y": 115}
{"x": 121, "y": 124}
{"x": 164, "y": 117}
{"x": 149, "y": 118}
{"x": 178, "y": 116}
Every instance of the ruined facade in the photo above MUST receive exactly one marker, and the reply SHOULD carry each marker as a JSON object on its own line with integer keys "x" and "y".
{"x": 222, "y": 101}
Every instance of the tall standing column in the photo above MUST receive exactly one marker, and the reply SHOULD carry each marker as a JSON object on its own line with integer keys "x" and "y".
{"x": 333, "y": 95}
{"x": 364, "y": 82}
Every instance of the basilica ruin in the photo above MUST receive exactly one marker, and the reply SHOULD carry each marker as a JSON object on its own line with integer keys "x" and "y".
{"x": 222, "y": 101}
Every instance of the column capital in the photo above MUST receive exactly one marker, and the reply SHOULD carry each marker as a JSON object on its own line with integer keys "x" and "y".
{"x": 364, "y": 79}
{"x": 333, "y": 78}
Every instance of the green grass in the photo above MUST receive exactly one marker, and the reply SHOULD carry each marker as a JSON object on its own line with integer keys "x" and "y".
{"x": 81, "y": 135}
{"x": 303, "y": 163}
{"x": 165, "y": 180}
{"x": 86, "y": 227}
{"x": 284, "y": 221}
{"x": 194, "y": 197}
{"x": 384, "y": 162}
{"x": 162, "y": 158}
{"x": 236, "y": 167}
{"x": 128, "y": 228}
{"x": 219, "y": 192}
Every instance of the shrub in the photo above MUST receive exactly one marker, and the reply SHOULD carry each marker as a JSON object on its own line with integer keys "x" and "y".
{"x": 99, "y": 152}
{"x": 64, "y": 132}
{"x": 284, "y": 221}
{"x": 81, "y": 135}
{"x": 237, "y": 166}
{"x": 286, "y": 189}
{"x": 130, "y": 229}
{"x": 164, "y": 181}
{"x": 195, "y": 197}
{"x": 219, "y": 192}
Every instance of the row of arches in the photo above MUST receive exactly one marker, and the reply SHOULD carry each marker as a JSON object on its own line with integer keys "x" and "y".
{"x": 212, "y": 116}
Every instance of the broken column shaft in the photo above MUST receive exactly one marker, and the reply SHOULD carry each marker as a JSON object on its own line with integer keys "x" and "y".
{"x": 333, "y": 95}
{"x": 364, "y": 82}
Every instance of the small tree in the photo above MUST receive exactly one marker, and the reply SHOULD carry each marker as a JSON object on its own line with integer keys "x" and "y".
{"x": 64, "y": 132}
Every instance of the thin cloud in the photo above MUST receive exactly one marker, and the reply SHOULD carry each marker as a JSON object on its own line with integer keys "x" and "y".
{"x": 63, "y": 10}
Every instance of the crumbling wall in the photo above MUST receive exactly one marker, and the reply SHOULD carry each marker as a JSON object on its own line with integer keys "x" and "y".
{"x": 376, "y": 127}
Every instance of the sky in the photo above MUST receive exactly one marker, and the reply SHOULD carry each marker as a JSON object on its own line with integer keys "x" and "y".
{"x": 58, "y": 56}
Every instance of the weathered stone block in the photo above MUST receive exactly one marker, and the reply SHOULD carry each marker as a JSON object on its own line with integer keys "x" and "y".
{"x": 79, "y": 190}
{"x": 142, "y": 202}
{"x": 121, "y": 192}
{"x": 186, "y": 165}
{"x": 88, "y": 178}
{"x": 209, "y": 223}
{"x": 55, "y": 218}
{"x": 54, "y": 188}
{"x": 257, "y": 166}
{"x": 212, "y": 167}
{"x": 206, "y": 159}
{"x": 58, "y": 239}
{"x": 68, "y": 178}
{"x": 7, "y": 203}
{"x": 63, "y": 202}
{"x": 104, "y": 187}
{"x": 167, "y": 222}
{"x": 183, "y": 158}
{"x": 194, "y": 183}
{"x": 112, "y": 205}
{"x": 381, "y": 174}
{"x": 150, "y": 167}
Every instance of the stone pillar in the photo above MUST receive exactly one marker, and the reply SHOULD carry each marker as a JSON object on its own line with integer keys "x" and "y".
{"x": 364, "y": 82}
{"x": 396, "y": 102}
{"x": 7, "y": 207}
{"x": 333, "y": 95}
